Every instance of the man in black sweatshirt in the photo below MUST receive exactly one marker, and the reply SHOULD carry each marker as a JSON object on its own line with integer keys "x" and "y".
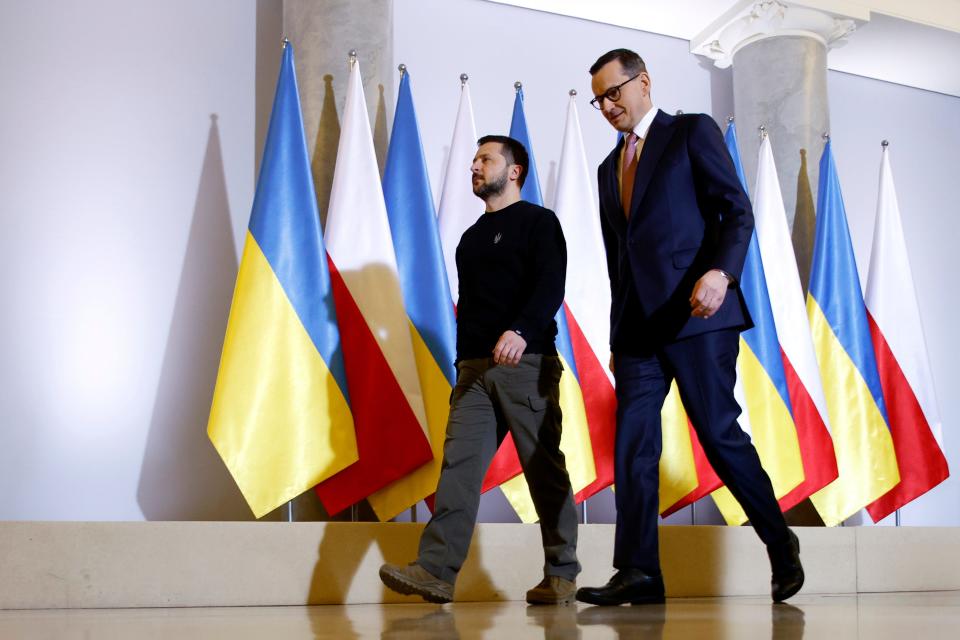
{"x": 511, "y": 265}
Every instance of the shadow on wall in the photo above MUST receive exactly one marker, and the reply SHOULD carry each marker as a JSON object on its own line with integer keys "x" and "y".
{"x": 325, "y": 148}
{"x": 182, "y": 477}
{"x": 380, "y": 133}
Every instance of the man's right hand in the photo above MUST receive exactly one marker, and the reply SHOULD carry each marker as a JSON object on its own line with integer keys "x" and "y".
{"x": 509, "y": 349}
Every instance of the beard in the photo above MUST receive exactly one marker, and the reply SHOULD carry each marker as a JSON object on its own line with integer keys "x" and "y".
{"x": 492, "y": 187}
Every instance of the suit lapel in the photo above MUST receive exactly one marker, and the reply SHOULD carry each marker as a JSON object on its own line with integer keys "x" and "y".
{"x": 661, "y": 130}
{"x": 610, "y": 189}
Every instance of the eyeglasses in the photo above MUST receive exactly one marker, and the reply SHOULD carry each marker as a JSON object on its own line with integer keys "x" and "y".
{"x": 612, "y": 94}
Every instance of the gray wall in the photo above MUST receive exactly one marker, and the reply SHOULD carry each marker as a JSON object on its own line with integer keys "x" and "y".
{"x": 123, "y": 206}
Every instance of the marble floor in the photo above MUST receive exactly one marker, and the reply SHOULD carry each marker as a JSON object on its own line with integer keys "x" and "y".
{"x": 911, "y": 616}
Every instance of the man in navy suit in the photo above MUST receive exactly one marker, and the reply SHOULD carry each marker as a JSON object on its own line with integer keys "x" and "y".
{"x": 676, "y": 225}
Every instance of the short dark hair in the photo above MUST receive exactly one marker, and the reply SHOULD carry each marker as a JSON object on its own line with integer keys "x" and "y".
{"x": 631, "y": 62}
{"x": 513, "y": 151}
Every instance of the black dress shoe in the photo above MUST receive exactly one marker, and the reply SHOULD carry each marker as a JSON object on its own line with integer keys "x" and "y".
{"x": 787, "y": 570}
{"x": 626, "y": 585}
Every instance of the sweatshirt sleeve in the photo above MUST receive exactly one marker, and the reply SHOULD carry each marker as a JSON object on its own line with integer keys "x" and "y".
{"x": 549, "y": 259}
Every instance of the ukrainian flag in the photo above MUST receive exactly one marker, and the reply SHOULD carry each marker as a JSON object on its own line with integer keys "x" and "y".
{"x": 764, "y": 382}
{"x": 426, "y": 296}
{"x": 575, "y": 438}
{"x": 280, "y": 418}
{"x": 841, "y": 337}
{"x": 685, "y": 475}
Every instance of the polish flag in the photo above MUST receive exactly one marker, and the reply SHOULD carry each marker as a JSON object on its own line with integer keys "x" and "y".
{"x": 904, "y": 368}
{"x": 459, "y": 207}
{"x": 587, "y": 297}
{"x": 382, "y": 379}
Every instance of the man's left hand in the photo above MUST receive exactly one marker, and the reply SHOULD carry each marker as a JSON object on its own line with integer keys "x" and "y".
{"x": 708, "y": 294}
{"x": 509, "y": 348}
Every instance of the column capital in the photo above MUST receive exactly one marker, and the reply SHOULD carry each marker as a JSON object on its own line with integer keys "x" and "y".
{"x": 828, "y": 21}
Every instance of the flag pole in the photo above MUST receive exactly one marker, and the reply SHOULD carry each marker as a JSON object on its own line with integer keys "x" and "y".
{"x": 354, "y": 512}
{"x": 583, "y": 505}
{"x": 402, "y": 68}
{"x": 896, "y": 514}
{"x": 289, "y": 505}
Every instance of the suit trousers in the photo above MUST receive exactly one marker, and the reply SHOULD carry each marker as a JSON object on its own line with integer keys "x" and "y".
{"x": 704, "y": 367}
{"x": 488, "y": 401}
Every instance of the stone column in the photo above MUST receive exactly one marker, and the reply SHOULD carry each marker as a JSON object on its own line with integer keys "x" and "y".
{"x": 778, "y": 50}
{"x": 781, "y": 83}
{"x": 323, "y": 34}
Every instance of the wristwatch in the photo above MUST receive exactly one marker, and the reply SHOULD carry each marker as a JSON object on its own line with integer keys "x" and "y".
{"x": 730, "y": 279}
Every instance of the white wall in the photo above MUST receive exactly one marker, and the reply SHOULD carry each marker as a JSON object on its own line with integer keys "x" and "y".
{"x": 126, "y": 175}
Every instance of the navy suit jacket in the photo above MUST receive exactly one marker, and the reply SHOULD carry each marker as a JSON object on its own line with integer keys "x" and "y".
{"x": 689, "y": 214}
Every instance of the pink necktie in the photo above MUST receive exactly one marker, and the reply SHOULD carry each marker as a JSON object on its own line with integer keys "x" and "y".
{"x": 629, "y": 171}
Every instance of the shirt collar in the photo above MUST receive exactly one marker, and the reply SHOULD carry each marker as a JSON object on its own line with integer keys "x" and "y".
{"x": 643, "y": 127}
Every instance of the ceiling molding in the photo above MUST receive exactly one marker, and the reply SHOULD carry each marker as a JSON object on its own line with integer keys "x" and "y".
{"x": 912, "y": 43}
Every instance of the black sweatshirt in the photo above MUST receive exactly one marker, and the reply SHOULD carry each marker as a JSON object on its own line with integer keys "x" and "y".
{"x": 512, "y": 265}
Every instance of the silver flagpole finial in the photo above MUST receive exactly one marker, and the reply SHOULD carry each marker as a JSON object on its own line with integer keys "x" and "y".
{"x": 463, "y": 79}
{"x": 885, "y": 144}
{"x": 402, "y": 69}
{"x": 763, "y": 131}
{"x": 729, "y": 119}
{"x": 285, "y": 43}
{"x": 573, "y": 93}
{"x": 517, "y": 86}
{"x": 679, "y": 112}
{"x": 353, "y": 56}
{"x": 826, "y": 136}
